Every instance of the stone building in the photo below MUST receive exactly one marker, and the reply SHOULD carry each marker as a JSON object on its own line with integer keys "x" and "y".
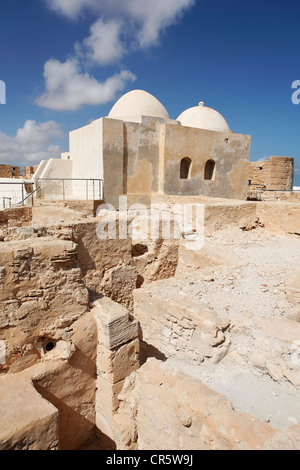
{"x": 139, "y": 151}
{"x": 275, "y": 174}
{"x": 9, "y": 171}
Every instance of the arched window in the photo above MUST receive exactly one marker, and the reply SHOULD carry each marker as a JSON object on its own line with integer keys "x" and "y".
{"x": 209, "y": 170}
{"x": 185, "y": 168}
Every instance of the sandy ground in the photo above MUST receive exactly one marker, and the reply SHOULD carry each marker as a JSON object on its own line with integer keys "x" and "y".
{"x": 254, "y": 293}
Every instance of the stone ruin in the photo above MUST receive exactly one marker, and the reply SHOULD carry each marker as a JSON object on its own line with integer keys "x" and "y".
{"x": 134, "y": 344}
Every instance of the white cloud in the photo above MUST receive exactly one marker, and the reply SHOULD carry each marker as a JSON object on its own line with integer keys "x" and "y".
{"x": 31, "y": 144}
{"x": 104, "y": 45}
{"x": 67, "y": 88}
{"x": 71, "y": 8}
{"x": 122, "y": 26}
{"x": 148, "y": 17}
{"x": 154, "y": 16}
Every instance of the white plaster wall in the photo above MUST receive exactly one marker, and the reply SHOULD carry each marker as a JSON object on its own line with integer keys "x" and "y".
{"x": 86, "y": 151}
{"x": 13, "y": 191}
{"x": 40, "y": 169}
{"x": 56, "y": 189}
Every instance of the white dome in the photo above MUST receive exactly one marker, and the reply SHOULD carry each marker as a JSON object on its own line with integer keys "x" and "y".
{"x": 203, "y": 118}
{"x": 137, "y": 103}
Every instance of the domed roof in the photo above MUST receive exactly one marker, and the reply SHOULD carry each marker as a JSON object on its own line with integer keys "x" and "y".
{"x": 137, "y": 103}
{"x": 203, "y": 117}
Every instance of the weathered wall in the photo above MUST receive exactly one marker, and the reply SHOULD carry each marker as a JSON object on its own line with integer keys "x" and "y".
{"x": 113, "y": 160}
{"x": 9, "y": 171}
{"x": 55, "y": 169}
{"x": 41, "y": 290}
{"x": 279, "y": 216}
{"x": 68, "y": 381}
{"x": 229, "y": 151}
{"x": 142, "y": 157}
{"x": 185, "y": 414}
{"x": 275, "y": 174}
{"x": 15, "y": 217}
{"x": 49, "y": 335}
{"x": 178, "y": 326}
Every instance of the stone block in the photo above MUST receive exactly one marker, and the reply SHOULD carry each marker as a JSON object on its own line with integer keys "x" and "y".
{"x": 114, "y": 366}
{"x": 107, "y": 401}
{"x": 27, "y": 421}
{"x": 115, "y": 326}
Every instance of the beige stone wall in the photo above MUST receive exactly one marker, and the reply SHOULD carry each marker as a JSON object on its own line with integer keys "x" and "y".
{"x": 16, "y": 217}
{"x": 230, "y": 153}
{"x": 176, "y": 411}
{"x": 114, "y": 167}
{"x": 144, "y": 159}
{"x": 30, "y": 170}
{"x": 177, "y": 327}
{"x": 279, "y": 216}
{"x": 275, "y": 174}
{"x": 9, "y": 171}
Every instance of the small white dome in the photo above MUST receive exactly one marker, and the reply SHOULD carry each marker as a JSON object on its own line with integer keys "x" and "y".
{"x": 202, "y": 117}
{"x": 137, "y": 103}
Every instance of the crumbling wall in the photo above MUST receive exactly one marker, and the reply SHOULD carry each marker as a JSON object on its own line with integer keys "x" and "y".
{"x": 275, "y": 174}
{"x": 279, "y": 217}
{"x": 173, "y": 325}
{"x": 9, "y": 171}
{"x": 41, "y": 295}
{"x": 185, "y": 414}
{"x": 16, "y": 217}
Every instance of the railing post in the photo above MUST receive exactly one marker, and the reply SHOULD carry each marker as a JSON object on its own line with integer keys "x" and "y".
{"x": 93, "y": 190}
{"x": 23, "y": 194}
{"x": 87, "y": 190}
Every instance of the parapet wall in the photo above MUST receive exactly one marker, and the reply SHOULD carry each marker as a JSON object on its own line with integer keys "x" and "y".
{"x": 10, "y": 171}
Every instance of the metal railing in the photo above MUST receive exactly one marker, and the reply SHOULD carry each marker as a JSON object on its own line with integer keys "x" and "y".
{"x": 261, "y": 192}
{"x": 13, "y": 193}
{"x": 69, "y": 188}
{"x": 21, "y": 193}
{"x": 4, "y": 199}
{"x": 278, "y": 193}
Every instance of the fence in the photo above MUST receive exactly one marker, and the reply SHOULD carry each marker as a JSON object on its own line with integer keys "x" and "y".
{"x": 262, "y": 193}
{"x": 69, "y": 188}
{"x": 15, "y": 193}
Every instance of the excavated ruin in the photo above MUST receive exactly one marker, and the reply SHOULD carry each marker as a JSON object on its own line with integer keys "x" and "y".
{"x": 136, "y": 344}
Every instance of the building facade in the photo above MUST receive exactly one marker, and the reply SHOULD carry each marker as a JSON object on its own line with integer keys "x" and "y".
{"x": 139, "y": 151}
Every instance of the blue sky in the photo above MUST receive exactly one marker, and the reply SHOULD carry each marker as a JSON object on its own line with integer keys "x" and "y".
{"x": 65, "y": 63}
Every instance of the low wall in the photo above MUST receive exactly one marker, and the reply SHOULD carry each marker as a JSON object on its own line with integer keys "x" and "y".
{"x": 279, "y": 216}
